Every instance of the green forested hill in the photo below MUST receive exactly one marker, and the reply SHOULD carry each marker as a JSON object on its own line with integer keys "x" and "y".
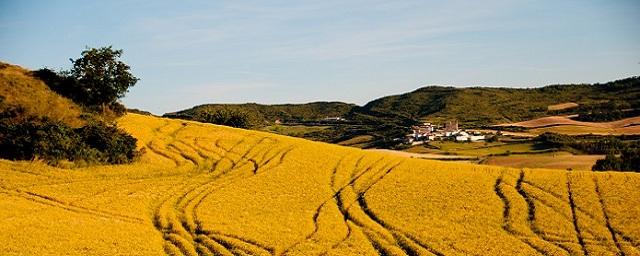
{"x": 389, "y": 117}
{"x": 269, "y": 113}
{"x": 485, "y": 106}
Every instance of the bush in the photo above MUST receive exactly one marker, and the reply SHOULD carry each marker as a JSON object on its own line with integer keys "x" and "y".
{"x": 226, "y": 117}
{"x": 55, "y": 141}
{"x": 628, "y": 161}
{"x": 115, "y": 145}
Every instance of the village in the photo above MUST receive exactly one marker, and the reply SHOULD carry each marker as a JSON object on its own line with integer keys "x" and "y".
{"x": 429, "y": 132}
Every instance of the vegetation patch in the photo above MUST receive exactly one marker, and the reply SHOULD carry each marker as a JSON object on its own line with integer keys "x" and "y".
{"x": 64, "y": 116}
{"x": 56, "y": 142}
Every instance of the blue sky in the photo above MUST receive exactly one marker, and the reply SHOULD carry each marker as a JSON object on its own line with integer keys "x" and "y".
{"x": 193, "y": 52}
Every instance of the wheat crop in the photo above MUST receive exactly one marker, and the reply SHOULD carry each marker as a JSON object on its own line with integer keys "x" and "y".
{"x": 202, "y": 189}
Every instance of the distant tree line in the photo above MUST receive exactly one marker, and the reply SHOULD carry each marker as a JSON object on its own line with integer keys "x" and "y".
{"x": 629, "y": 160}
{"x": 228, "y": 117}
{"x": 623, "y": 152}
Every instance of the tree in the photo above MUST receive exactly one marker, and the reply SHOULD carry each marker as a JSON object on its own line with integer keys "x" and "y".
{"x": 101, "y": 77}
{"x": 226, "y": 117}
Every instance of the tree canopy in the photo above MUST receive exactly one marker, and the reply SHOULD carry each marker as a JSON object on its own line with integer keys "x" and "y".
{"x": 101, "y": 77}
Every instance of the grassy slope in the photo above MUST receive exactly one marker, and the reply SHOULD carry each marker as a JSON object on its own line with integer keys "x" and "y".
{"x": 203, "y": 188}
{"x": 19, "y": 89}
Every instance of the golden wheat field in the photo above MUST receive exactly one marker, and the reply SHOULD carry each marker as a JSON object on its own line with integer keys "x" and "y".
{"x": 210, "y": 190}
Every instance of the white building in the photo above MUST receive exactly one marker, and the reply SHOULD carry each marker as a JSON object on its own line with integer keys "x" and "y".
{"x": 467, "y": 137}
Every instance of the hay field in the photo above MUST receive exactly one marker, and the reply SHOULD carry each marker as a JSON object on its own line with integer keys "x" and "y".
{"x": 209, "y": 190}
{"x": 565, "y": 125}
{"x": 561, "y": 106}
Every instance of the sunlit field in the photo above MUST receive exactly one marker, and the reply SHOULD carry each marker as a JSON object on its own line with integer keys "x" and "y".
{"x": 202, "y": 189}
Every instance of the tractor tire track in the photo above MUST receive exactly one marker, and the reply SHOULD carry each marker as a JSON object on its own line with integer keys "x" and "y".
{"x": 185, "y": 206}
{"x": 225, "y": 153}
{"x": 566, "y": 216}
{"x": 506, "y": 216}
{"x": 205, "y": 195}
{"x": 531, "y": 212}
{"x": 187, "y": 157}
{"x": 586, "y": 213}
{"x": 56, "y": 203}
{"x": 396, "y": 233}
{"x": 334, "y": 198}
{"x": 263, "y": 248}
{"x": 159, "y": 152}
{"x": 316, "y": 214}
{"x": 380, "y": 237}
{"x": 348, "y": 219}
{"x": 572, "y": 204}
{"x": 171, "y": 135}
{"x": 603, "y": 208}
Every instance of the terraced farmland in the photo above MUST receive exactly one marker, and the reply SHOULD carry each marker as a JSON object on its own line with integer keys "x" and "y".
{"x": 209, "y": 190}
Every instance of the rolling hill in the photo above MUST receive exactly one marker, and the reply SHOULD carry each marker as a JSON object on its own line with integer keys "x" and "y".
{"x": 203, "y": 189}
{"x": 20, "y": 91}
{"x": 472, "y": 106}
{"x": 481, "y": 106}
{"x": 264, "y": 114}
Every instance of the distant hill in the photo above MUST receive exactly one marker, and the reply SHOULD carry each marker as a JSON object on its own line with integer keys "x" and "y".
{"x": 261, "y": 113}
{"x": 473, "y": 106}
{"x": 479, "y": 106}
{"x": 389, "y": 117}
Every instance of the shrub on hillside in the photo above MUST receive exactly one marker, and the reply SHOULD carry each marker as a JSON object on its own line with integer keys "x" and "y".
{"x": 55, "y": 141}
{"x": 115, "y": 145}
{"x": 226, "y": 117}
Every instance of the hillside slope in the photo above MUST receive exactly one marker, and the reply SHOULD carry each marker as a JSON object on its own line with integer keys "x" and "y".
{"x": 19, "y": 89}
{"x": 202, "y": 189}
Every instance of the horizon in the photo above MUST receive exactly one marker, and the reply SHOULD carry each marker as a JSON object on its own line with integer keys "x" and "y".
{"x": 353, "y": 52}
{"x": 395, "y": 94}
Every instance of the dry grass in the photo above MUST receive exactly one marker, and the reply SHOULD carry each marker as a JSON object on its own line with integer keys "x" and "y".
{"x": 19, "y": 88}
{"x": 562, "y": 106}
{"x": 210, "y": 190}
{"x": 581, "y": 130}
{"x": 563, "y": 120}
{"x": 565, "y": 125}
